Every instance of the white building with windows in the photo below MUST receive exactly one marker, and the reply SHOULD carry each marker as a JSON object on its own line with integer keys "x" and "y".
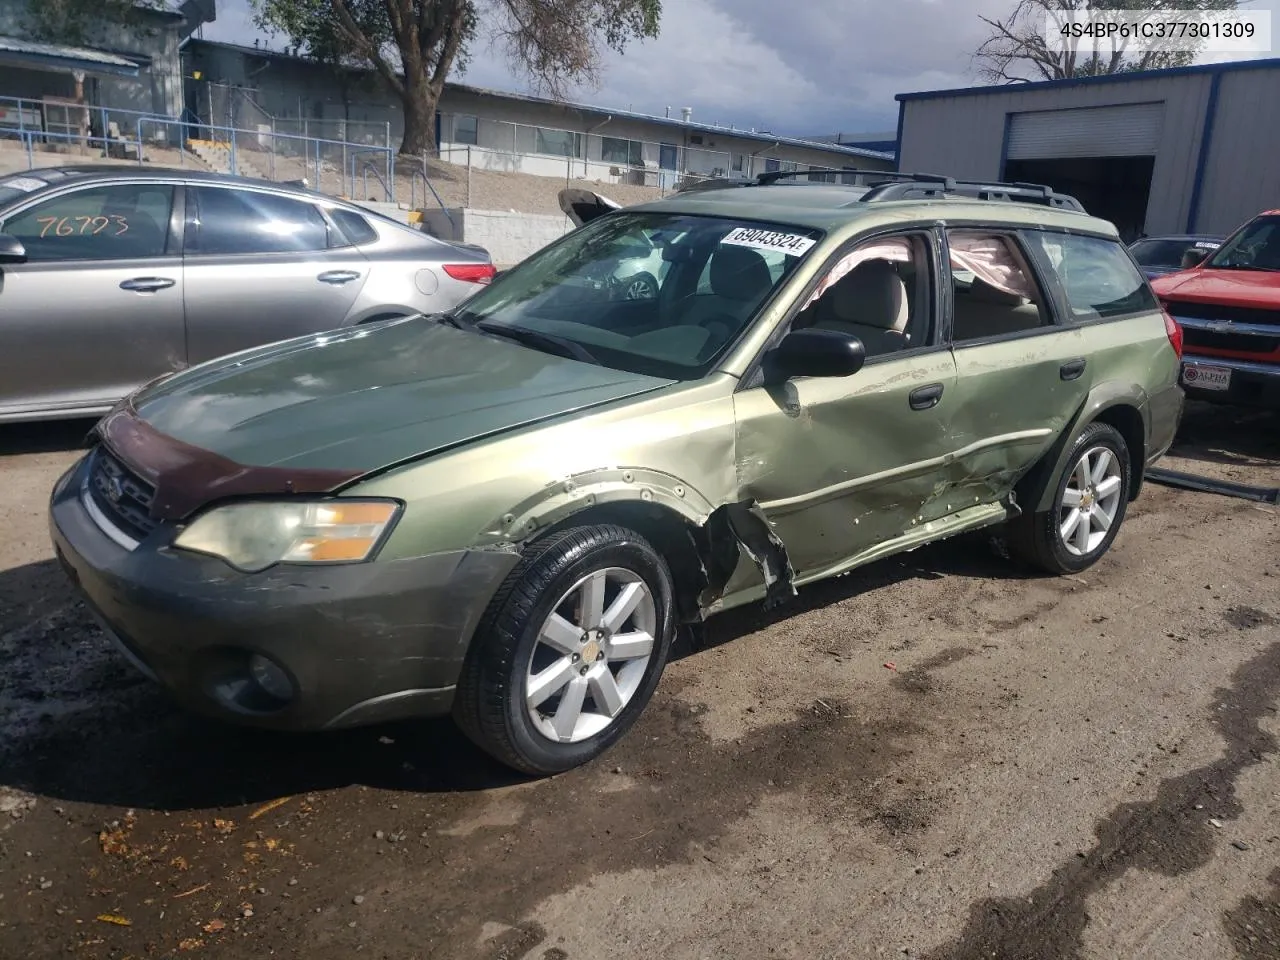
{"x": 494, "y": 130}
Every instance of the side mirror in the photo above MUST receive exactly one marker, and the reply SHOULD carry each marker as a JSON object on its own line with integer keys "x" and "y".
{"x": 815, "y": 353}
{"x": 12, "y": 250}
{"x": 1193, "y": 258}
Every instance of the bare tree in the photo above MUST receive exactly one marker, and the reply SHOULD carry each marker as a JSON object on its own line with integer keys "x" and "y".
{"x": 1017, "y": 50}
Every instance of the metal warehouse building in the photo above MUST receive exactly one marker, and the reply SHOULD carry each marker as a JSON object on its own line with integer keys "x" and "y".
{"x": 1195, "y": 149}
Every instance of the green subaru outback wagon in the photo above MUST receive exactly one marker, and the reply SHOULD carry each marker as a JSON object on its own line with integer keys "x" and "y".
{"x": 506, "y": 513}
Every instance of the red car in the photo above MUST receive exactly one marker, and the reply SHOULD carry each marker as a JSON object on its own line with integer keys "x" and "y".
{"x": 1229, "y": 310}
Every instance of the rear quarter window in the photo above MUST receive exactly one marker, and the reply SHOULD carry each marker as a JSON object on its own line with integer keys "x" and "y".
{"x": 1098, "y": 276}
{"x": 355, "y": 228}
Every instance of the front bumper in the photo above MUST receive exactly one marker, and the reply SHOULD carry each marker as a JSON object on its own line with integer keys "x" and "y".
{"x": 1252, "y": 384}
{"x": 360, "y": 643}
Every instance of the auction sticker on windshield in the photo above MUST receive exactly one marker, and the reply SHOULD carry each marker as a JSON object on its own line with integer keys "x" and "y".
{"x": 791, "y": 243}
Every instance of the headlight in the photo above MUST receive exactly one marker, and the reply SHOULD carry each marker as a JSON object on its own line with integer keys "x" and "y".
{"x": 255, "y": 535}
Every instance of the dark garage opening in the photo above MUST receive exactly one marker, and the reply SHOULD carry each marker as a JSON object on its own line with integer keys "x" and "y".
{"x": 1114, "y": 188}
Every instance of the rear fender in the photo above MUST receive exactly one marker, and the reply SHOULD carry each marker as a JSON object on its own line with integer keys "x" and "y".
{"x": 1034, "y": 491}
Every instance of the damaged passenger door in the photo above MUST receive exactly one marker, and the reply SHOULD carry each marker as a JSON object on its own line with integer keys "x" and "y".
{"x": 840, "y": 464}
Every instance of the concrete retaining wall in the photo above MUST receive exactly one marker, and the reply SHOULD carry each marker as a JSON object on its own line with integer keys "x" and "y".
{"x": 509, "y": 237}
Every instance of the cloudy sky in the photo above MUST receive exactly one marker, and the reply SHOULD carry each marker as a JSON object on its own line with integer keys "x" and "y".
{"x": 798, "y": 67}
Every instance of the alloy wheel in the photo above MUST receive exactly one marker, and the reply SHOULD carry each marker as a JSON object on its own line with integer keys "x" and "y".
{"x": 591, "y": 655}
{"x": 1090, "y": 501}
{"x": 640, "y": 289}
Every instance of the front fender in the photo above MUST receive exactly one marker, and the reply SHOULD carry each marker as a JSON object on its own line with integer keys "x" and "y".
{"x": 1037, "y": 487}
{"x": 561, "y": 500}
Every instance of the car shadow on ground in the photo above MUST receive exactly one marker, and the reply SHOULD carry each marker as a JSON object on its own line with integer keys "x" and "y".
{"x": 52, "y": 436}
{"x": 1232, "y": 436}
{"x": 100, "y": 733}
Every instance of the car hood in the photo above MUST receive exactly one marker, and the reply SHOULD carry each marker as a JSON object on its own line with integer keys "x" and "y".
{"x": 583, "y": 206}
{"x": 1241, "y": 288}
{"x": 362, "y": 399}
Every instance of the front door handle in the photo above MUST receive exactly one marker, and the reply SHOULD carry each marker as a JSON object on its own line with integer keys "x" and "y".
{"x": 338, "y": 277}
{"x": 1072, "y": 369}
{"x": 147, "y": 284}
{"x": 923, "y": 398}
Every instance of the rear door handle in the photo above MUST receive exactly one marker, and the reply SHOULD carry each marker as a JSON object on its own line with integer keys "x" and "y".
{"x": 923, "y": 398}
{"x": 147, "y": 284}
{"x": 338, "y": 276}
{"x": 1072, "y": 369}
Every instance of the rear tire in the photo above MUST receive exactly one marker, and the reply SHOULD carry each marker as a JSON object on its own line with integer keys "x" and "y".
{"x": 1090, "y": 498}
{"x": 569, "y": 651}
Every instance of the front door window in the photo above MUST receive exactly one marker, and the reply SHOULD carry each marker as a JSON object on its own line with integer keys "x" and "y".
{"x": 127, "y": 221}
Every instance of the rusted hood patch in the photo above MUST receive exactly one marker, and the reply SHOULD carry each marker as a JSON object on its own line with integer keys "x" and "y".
{"x": 187, "y": 478}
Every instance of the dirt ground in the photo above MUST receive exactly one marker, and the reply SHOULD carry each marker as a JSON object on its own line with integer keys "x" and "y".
{"x": 933, "y": 758}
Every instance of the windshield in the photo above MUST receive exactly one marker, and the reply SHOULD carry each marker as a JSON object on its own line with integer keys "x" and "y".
{"x": 1168, "y": 253}
{"x": 11, "y": 188}
{"x": 658, "y": 294}
{"x": 1256, "y": 246}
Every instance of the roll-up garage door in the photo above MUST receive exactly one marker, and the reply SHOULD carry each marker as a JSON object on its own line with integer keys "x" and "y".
{"x": 1130, "y": 130}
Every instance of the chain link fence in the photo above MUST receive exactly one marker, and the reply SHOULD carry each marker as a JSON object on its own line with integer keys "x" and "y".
{"x": 508, "y": 147}
{"x": 59, "y": 127}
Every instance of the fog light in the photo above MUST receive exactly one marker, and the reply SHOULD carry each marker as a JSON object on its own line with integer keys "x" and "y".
{"x": 270, "y": 678}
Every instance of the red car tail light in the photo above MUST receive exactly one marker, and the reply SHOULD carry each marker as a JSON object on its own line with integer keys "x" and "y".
{"x": 471, "y": 272}
{"x": 1174, "y": 330}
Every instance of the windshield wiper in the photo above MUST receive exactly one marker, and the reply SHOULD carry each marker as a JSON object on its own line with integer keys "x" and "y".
{"x": 453, "y": 320}
{"x": 546, "y": 342}
{"x": 1243, "y": 266}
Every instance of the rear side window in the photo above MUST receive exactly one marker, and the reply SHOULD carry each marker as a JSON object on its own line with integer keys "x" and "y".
{"x": 995, "y": 293}
{"x": 1098, "y": 275}
{"x": 247, "y": 222}
{"x": 354, "y": 227}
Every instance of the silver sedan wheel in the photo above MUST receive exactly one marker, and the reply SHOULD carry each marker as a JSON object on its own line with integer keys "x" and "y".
{"x": 640, "y": 289}
{"x": 591, "y": 655}
{"x": 1090, "y": 501}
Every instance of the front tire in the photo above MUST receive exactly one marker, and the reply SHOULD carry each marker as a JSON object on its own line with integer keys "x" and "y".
{"x": 1090, "y": 498}
{"x": 569, "y": 651}
{"x": 642, "y": 286}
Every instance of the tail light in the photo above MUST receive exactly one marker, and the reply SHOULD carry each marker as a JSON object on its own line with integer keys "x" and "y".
{"x": 471, "y": 272}
{"x": 1174, "y": 330}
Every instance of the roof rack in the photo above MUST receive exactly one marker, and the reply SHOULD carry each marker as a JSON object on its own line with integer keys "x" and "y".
{"x": 770, "y": 177}
{"x": 713, "y": 183}
{"x": 887, "y": 185}
{"x": 925, "y": 186}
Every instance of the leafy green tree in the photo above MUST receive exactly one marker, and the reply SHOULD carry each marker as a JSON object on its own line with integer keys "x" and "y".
{"x": 1016, "y": 50}
{"x": 414, "y": 45}
{"x": 77, "y": 21}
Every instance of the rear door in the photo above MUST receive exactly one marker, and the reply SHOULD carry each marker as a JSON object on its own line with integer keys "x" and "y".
{"x": 97, "y": 309}
{"x": 1104, "y": 296}
{"x": 260, "y": 267}
{"x": 1022, "y": 371}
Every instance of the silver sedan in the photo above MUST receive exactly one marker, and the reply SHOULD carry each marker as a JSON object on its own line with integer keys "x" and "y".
{"x": 112, "y": 276}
